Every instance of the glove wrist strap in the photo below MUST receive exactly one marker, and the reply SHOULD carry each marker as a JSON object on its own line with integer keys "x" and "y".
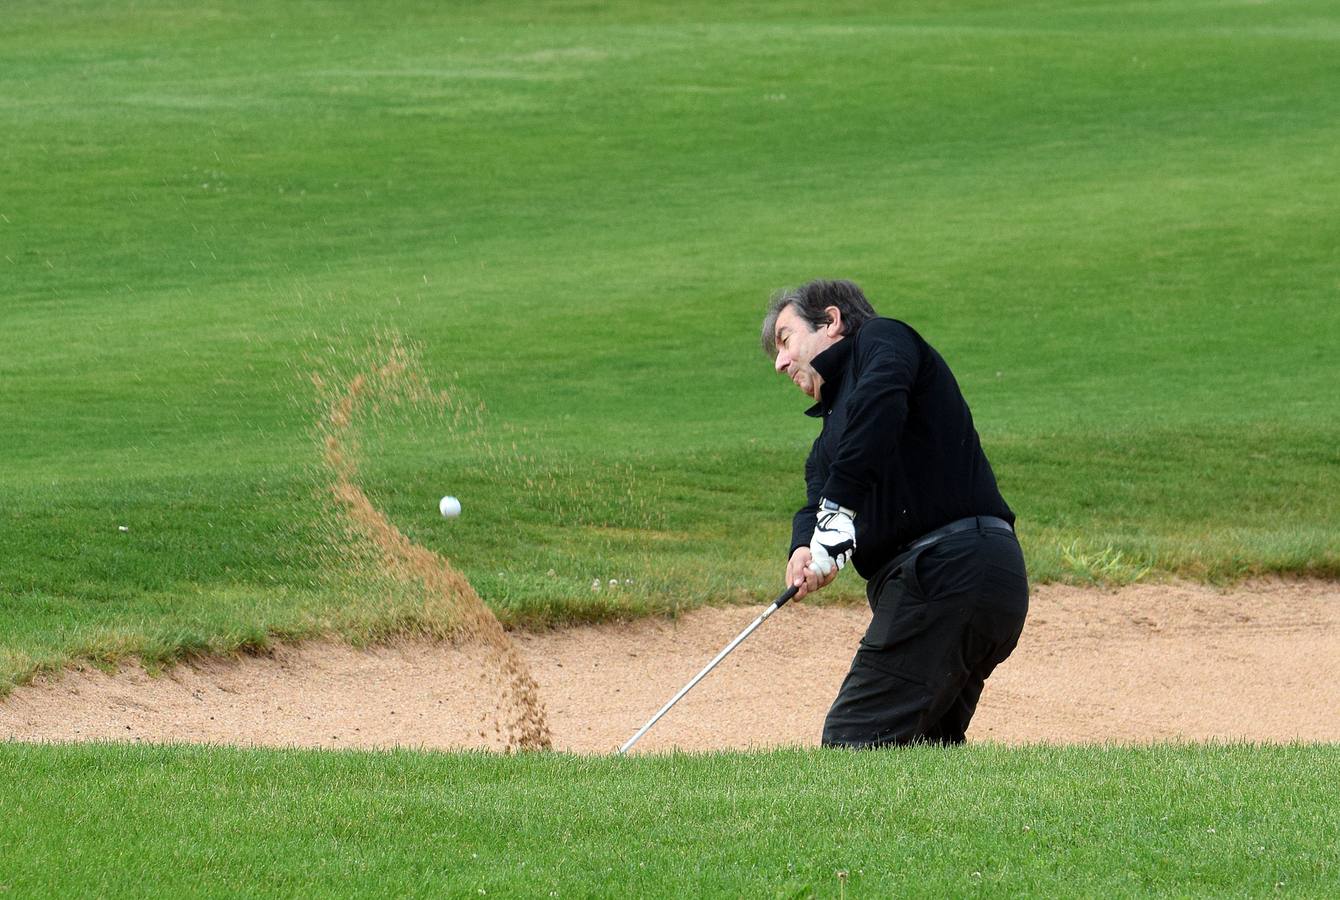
{"x": 826, "y": 505}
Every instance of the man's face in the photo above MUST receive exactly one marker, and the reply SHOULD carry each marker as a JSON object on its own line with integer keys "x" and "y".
{"x": 798, "y": 344}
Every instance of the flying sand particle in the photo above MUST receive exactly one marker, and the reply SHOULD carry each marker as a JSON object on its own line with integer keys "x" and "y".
{"x": 398, "y": 378}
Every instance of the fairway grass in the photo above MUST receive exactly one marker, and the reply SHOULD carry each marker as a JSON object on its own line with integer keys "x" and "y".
{"x": 984, "y": 820}
{"x": 1116, "y": 223}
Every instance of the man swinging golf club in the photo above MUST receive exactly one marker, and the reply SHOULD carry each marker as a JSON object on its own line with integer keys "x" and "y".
{"x": 898, "y": 485}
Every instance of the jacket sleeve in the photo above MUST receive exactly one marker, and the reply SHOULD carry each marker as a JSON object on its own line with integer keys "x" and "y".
{"x": 885, "y": 363}
{"x": 802, "y": 526}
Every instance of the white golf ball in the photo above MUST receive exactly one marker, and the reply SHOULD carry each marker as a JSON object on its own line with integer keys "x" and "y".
{"x": 449, "y": 507}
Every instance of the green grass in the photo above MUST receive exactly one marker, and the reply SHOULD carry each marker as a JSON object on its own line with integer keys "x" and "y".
{"x": 980, "y": 821}
{"x": 1115, "y": 221}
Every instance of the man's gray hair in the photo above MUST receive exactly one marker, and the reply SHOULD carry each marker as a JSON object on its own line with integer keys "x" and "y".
{"x": 811, "y": 300}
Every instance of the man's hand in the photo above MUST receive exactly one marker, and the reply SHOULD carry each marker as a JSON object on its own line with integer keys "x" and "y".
{"x": 834, "y": 538}
{"x": 800, "y": 574}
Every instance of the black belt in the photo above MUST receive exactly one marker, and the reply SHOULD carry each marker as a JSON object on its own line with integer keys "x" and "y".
{"x": 968, "y": 524}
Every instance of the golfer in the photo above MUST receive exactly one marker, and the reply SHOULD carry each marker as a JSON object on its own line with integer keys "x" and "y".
{"x": 898, "y": 485}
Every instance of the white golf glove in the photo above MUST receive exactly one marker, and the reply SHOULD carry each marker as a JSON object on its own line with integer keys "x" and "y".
{"x": 834, "y": 538}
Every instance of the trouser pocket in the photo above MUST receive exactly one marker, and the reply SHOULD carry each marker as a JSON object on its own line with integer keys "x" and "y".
{"x": 899, "y": 607}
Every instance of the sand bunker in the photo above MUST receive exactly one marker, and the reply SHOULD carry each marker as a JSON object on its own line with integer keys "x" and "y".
{"x": 1144, "y": 663}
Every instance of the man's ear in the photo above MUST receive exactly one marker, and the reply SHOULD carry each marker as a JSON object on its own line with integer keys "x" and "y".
{"x": 834, "y": 327}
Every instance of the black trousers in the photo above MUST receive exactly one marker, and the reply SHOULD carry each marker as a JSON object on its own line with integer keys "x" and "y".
{"x": 944, "y": 616}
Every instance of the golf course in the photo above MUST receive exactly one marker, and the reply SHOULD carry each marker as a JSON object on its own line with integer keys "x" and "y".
{"x": 279, "y": 277}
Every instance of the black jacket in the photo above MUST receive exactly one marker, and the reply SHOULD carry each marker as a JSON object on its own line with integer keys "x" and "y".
{"x": 897, "y": 445}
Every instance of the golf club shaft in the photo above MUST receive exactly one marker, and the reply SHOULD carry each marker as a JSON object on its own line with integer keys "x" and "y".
{"x": 776, "y": 605}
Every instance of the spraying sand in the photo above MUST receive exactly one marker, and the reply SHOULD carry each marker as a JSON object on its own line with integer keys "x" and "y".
{"x": 519, "y": 710}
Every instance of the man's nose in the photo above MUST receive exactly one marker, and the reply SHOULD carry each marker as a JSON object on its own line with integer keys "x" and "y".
{"x": 782, "y": 362}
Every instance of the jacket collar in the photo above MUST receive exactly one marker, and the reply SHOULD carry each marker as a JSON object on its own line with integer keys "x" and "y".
{"x": 831, "y": 366}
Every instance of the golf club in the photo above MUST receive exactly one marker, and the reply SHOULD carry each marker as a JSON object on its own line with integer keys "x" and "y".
{"x": 776, "y": 605}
